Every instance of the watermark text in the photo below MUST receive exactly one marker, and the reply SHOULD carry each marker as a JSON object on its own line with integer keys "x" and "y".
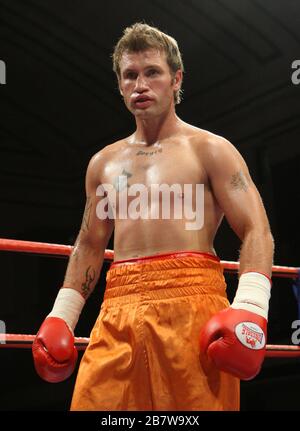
{"x": 2, "y": 72}
{"x": 296, "y": 334}
{"x": 2, "y": 332}
{"x": 156, "y": 202}
{"x": 296, "y": 74}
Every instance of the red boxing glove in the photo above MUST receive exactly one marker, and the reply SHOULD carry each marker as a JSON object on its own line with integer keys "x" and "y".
{"x": 53, "y": 350}
{"x": 235, "y": 338}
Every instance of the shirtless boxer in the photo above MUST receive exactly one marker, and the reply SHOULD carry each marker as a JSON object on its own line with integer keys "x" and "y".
{"x": 166, "y": 337}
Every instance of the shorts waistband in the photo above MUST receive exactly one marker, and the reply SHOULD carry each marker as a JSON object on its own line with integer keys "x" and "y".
{"x": 161, "y": 256}
{"x": 158, "y": 276}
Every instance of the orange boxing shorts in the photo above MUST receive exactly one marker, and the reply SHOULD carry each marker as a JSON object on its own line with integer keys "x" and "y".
{"x": 144, "y": 350}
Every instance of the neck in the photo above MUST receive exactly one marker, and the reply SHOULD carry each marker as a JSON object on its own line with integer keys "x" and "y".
{"x": 152, "y": 130}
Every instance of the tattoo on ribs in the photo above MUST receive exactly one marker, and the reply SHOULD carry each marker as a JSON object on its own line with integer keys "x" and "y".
{"x": 239, "y": 181}
{"x": 90, "y": 275}
{"x": 87, "y": 215}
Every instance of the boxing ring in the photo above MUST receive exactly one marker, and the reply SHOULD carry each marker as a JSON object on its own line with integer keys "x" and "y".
{"x": 24, "y": 341}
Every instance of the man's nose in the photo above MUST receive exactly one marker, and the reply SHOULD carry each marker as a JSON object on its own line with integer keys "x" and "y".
{"x": 140, "y": 84}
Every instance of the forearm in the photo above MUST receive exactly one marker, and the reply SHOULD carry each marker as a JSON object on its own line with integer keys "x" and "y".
{"x": 256, "y": 258}
{"x": 257, "y": 252}
{"x": 84, "y": 267}
{"x": 54, "y": 352}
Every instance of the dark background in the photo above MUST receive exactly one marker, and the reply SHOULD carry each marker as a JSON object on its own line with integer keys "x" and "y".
{"x": 60, "y": 105}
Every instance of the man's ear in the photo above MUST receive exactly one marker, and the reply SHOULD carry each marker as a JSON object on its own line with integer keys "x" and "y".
{"x": 177, "y": 80}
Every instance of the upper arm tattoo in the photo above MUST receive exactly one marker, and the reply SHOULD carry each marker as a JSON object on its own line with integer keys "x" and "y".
{"x": 87, "y": 215}
{"x": 239, "y": 181}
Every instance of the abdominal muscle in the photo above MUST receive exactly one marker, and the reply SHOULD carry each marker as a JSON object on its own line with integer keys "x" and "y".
{"x": 139, "y": 238}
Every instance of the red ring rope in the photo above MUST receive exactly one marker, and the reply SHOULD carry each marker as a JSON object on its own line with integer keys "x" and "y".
{"x": 20, "y": 341}
{"x": 66, "y": 250}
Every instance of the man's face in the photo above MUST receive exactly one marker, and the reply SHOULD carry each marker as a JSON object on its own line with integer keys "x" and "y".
{"x": 146, "y": 83}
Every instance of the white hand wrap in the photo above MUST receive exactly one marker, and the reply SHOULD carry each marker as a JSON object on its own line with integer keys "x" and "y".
{"x": 68, "y": 306}
{"x": 253, "y": 293}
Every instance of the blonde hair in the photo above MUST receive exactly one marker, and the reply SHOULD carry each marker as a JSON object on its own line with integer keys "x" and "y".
{"x": 140, "y": 37}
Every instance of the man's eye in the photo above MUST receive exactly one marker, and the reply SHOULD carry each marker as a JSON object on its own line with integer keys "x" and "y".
{"x": 153, "y": 72}
{"x": 130, "y": 76}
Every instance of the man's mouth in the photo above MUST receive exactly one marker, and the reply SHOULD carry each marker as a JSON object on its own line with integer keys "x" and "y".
{"x": 142, "y": 102}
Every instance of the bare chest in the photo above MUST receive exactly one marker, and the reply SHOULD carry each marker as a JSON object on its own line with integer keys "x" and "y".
{"x": 154, "y": 165}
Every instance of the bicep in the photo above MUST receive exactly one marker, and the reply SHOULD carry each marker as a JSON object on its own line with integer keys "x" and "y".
{"x": 95, "y": 229}
{"x": 234, "y": 189}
